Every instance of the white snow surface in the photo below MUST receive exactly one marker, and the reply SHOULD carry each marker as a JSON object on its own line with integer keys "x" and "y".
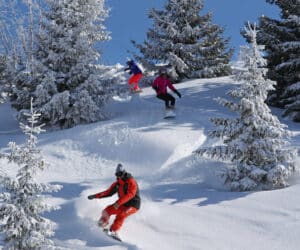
{"x": 185, "y": 205}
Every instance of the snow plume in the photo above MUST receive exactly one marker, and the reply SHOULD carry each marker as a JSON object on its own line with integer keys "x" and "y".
{"x": 22, "y": 199}
{"x": 255, "y": 141}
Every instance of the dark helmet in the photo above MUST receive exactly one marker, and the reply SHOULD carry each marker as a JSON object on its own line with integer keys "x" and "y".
{"x": 120, "y": 170}
{"x": 129, "y": 62}
{"x": 163, "y": 71}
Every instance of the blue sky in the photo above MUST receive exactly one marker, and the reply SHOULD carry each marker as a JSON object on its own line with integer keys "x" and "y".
{"x": 129, "y": 20}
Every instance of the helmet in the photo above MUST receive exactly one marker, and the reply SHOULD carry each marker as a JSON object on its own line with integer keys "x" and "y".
{"x": 162, "y": 71}
{"x": 120, "y": 170}
{"x": 129, "y": 62}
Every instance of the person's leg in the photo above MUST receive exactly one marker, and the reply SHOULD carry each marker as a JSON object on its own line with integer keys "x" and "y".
{"x": 106, "y": 213}
{"x": 123, "y": 213}
{"x": 135, "y": 80}
{"x": 165, "y": 98}
{"x": 130, "y": 82}
{"x": 172, "y": 100}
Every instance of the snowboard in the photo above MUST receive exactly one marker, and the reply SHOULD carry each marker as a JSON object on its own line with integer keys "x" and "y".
{"x": 106, "y": 231}
{"x": 136, "y": 91}
{"x": 170, "y": 114}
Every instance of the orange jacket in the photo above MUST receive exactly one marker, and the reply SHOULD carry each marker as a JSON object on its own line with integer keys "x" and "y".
{"x": 128, "y": 191}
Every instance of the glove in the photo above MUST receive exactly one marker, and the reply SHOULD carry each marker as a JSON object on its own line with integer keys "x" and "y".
{"x": 179, "y": 95}
{"x": 155, "y": 88}
{"x": 90, "y": 197}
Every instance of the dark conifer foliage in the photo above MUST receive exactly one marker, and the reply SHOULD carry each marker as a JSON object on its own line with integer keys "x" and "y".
{"x": 282, "y": 41}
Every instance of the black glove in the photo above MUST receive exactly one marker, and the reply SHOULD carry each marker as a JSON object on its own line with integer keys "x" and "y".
{"x": 90, "y": 197}
{"x": 155, "y": 88}
{"x": 179, "y": 95}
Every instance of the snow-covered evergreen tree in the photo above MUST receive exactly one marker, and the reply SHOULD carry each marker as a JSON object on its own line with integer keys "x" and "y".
{"x": 19, "y": 22}
{"x": 187, "y": 41}
{"x": 66, "y": 42}
{"x": 65, "y": 64}
{"x": 19, "y": 26}
{"x": 255, "y": 141}
{"x": 23, "y": 197}
{"x": 4, "y": 89}
{"x": 282, "y": 40}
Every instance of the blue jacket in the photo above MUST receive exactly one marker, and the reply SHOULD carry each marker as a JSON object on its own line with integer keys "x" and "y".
{"x": 133, "y": 69}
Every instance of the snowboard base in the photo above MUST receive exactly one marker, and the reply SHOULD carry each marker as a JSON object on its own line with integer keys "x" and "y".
{"x": 107, "y": 232}
{"x": 136, "y": 91}
{"x": 169, "y": 114}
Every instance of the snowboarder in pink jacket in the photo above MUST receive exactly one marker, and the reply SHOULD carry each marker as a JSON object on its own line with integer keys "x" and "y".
{"x": 160, "y": 85}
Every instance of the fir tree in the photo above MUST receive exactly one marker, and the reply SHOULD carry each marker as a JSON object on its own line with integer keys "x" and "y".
{"x": 66, "y": 42}
{"x": 66, "y": 64}
{"x": 187, "y": 41}
{"x": 19, "y": 22}
{"x": 4, "y": 89}
{"x": 22, "y": 198}
{"x": 255, "y": 141}
{"x": 282, "y": 41}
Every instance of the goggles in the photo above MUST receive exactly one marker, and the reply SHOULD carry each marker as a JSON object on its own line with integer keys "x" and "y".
{"x": 119, "y": 174}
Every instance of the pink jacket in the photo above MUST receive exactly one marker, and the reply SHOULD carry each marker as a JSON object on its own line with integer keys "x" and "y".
{"x": 160, "y": 85}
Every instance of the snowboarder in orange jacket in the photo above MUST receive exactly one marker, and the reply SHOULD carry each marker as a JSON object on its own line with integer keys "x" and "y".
{"x": 127, "y": 204}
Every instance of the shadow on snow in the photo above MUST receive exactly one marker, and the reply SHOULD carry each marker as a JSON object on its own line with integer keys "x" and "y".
{"x": 184, "y": 192}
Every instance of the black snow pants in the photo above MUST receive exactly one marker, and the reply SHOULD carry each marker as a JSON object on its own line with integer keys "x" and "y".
{"x": 167, "y": 98}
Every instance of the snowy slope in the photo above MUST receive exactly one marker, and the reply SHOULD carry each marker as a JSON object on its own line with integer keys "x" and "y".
{"x": 184, "y": 204}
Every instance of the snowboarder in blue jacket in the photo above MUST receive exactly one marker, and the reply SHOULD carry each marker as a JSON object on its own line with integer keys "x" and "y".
{"x": 136, "y": 75}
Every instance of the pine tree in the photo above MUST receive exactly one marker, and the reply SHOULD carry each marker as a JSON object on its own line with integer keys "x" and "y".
{"x": 66, "y": 42}
{"x": 4, "y": 86}
{"x": 22, "y": 197}
{"x": 255, "y": 141}
{"x": 190, "y": 43}
{"x": 282, "y": 41}
{"x": 66, "y": 64}
{"x": 19, "y": 22}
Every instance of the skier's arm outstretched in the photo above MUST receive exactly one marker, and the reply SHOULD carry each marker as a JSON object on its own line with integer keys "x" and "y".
{"x": 109, "y": 192}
